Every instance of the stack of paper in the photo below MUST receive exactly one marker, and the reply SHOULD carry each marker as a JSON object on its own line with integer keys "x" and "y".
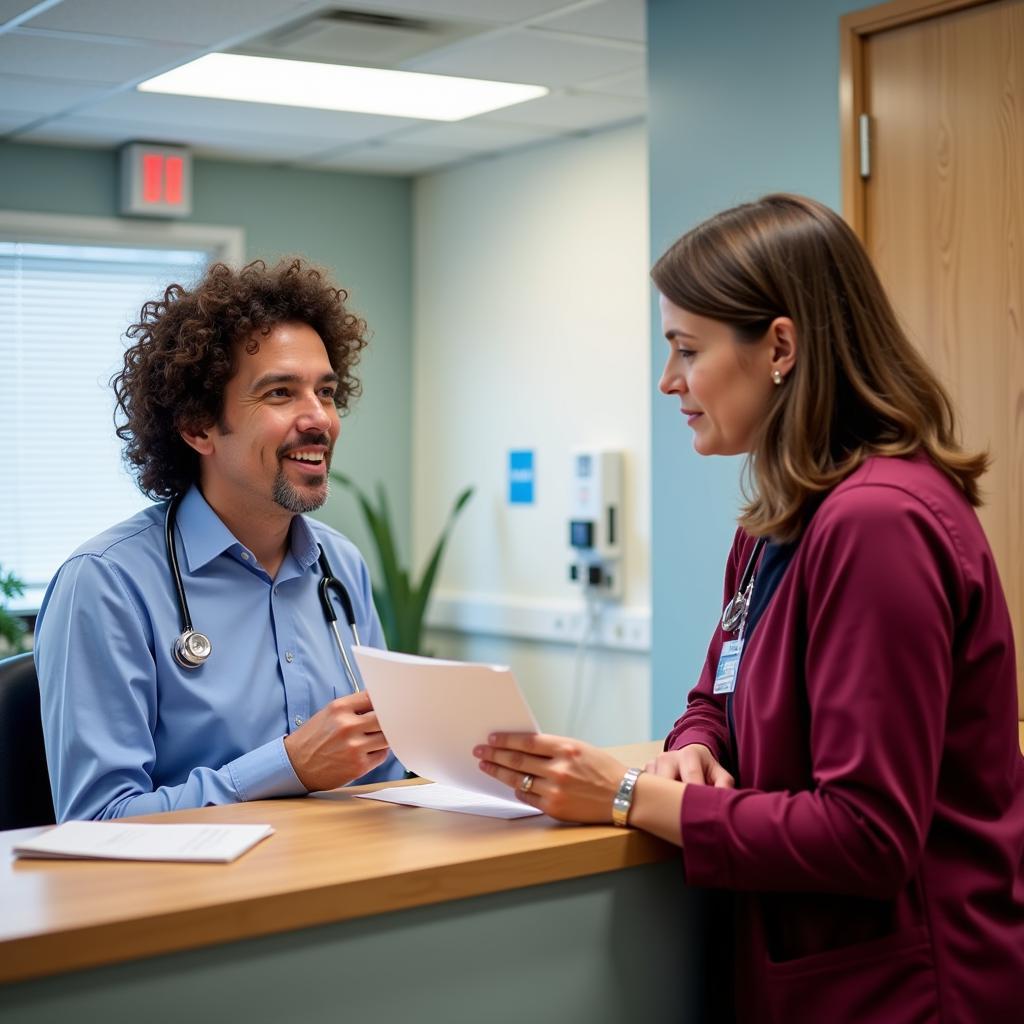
{"x": 115, "y": 840}
{"x": 433, "y": 713}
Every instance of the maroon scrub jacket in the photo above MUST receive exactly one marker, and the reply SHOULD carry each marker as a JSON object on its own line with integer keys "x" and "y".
{"x": 876, "y": 833}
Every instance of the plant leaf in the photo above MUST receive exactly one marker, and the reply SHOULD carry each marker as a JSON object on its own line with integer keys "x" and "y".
{"x": 400, "y": 604}
{"x": 391, "y": 586}
{"x": 422, "y": 591}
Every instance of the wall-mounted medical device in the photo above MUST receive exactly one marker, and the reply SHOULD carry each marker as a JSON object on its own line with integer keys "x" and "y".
{"x": 595, "y": 521}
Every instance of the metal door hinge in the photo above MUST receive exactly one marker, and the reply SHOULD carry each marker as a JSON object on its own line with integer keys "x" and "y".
{"x": 865, "y": 145}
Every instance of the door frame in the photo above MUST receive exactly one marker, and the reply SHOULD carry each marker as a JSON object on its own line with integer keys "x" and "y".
{"x": 854, "y": 28}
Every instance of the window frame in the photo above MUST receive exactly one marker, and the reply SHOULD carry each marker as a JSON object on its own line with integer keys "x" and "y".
{"x": 223, "y": 242}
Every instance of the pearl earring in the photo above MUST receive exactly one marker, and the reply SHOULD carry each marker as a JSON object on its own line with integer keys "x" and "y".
{"x": 776, "y": 377}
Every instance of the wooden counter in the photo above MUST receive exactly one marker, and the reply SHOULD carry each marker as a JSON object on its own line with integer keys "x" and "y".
{"x": 333, "y": 858}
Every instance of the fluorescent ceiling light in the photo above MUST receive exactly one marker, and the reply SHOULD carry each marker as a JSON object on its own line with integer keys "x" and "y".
{"x": 299, "y": 83}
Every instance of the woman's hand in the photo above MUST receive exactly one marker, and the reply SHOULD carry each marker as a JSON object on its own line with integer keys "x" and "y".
{"x": 572, "y": 781}
{"x": 693, "y": 763}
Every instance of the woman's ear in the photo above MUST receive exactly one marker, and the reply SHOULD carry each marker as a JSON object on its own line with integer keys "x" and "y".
{"x": 783, "y": 345}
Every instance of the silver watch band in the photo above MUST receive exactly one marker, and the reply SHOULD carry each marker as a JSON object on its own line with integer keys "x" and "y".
{"x": 623, "y": 799}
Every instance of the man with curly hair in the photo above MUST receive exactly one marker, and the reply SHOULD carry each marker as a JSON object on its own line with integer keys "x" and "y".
{"x": 229, "y": 401}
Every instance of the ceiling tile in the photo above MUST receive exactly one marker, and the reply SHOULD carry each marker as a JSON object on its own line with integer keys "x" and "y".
{"x": 527, "y": 56}
{"x": 12, "y": 8}
{"x": 194, "y": 22}
{"x": 247, "y": 144}
{"x": 476, "y": 134}
{"x": 570, "y": 110}
{"x": 613, "y": 19}
{"x": 44, "y": 95}
{"x": 185, "y": 112}
{"x": 630, "y": 84}
{"x": 91, "y": 62}
{"x": 393, "y": 158}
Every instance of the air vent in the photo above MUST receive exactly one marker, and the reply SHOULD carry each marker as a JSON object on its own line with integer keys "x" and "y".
{"x": 393, "y": 21}
{"x": 346, "y": 36}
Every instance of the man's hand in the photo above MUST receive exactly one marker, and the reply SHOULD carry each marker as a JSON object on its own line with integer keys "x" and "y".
{"x": 694, "y": 763}
{"x": 341, "y": 742}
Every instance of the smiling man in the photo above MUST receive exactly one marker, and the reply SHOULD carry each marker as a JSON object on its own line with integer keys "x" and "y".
{"x": 230, "y": 686}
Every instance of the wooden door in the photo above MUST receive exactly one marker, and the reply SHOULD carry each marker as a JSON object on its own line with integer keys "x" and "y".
{"x": 942, "y": 215}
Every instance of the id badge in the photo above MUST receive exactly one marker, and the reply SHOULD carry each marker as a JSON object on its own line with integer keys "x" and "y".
{"x": 728, "y": 664}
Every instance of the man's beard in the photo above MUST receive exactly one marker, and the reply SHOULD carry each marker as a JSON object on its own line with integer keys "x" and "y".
{"x": 290, "y": 497}
{"x": 299, "y": 500}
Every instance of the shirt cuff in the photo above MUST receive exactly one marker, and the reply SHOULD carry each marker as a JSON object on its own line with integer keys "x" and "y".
{"x": 265, "y": 772}
{"x": 706, "y": 858}
{"x": 697, "y": 734}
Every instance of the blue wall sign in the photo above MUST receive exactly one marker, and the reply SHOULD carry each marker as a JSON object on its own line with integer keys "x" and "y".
{"x": 520, "y": 477}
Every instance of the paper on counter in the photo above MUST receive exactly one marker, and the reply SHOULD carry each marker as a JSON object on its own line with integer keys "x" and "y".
{"x": 114, "y": 840}
{"x": 434, "y": 712}
{"x": 451, "y": 798}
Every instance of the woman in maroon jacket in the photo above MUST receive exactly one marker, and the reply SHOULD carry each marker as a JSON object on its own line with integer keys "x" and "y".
{"x": 848, "y": 760}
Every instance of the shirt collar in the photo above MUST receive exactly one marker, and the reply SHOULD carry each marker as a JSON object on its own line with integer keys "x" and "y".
{"x": 204, "y": 535}
{"x": 304, "y": 546}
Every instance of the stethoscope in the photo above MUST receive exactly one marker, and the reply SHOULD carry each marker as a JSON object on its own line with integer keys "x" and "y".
{"x": 192, "y": 648}
{"x": 735, "y": 613}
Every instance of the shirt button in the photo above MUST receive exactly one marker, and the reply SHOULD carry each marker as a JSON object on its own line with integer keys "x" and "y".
{"x": 289, "y": 657}
{"x": 299, "y": 719}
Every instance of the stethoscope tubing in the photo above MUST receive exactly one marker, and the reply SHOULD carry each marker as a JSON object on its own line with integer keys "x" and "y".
{"x": 191, "y": 648}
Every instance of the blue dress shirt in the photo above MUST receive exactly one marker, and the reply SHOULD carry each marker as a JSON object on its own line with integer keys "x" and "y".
{"x": 127, "y": 729}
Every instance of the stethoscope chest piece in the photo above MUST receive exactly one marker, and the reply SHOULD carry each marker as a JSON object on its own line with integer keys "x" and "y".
{"x": 734, "y": 613}
{"x": 192, "y": 648}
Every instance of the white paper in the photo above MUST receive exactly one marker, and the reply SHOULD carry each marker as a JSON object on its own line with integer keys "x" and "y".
{"x": 451, "y": 798}
{"x": 434, "y": 712}
{"x": 114, "y": 840}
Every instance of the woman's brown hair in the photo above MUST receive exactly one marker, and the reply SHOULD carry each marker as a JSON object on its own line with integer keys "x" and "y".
{"x": 186, "y": 350}
{"x": 858, "y": 388}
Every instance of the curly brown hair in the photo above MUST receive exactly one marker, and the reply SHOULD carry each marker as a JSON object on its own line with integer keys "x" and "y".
{"x": 186, "y": 349}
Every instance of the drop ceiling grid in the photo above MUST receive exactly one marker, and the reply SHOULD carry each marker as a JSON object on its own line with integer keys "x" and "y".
{"x": 187, "y": 22}
{"x": 578, "y": 65}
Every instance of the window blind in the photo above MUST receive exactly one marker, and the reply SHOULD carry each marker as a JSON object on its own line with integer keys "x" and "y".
{"x": 63, "y": 313}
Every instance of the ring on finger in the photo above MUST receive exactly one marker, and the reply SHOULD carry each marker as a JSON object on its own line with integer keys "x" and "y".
{"x": 527, "y": 784}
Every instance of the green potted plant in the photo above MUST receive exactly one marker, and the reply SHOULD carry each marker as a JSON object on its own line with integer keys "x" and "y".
{"x": 12, "y": 628}
{"x": 401, "y": 601}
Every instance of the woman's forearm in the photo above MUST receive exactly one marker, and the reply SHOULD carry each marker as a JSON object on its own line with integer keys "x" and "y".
{"x": 657, "y": 806}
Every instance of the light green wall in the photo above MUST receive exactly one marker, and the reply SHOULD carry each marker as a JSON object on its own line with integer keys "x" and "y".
{"x": 359, "y": 226}
{"x": 744, "y": 100}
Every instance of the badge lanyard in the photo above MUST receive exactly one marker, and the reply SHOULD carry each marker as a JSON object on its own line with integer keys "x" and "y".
{"x": 735, "y": 618}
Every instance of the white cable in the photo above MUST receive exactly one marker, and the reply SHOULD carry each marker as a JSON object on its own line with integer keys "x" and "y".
{"x": 593, "y": 609}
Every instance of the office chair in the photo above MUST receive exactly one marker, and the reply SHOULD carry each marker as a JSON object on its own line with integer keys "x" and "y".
{"x": 24, "y": 778}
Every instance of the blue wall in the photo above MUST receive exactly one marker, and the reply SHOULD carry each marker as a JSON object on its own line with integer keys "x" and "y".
{"x": 359, "y": 226}
{"x": 744, "y": 99}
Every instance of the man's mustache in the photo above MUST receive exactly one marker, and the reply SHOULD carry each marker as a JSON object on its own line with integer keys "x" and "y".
{"x": 305, "y": 441}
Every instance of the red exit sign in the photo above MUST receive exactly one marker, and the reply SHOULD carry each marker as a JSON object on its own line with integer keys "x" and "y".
{"x": 156, "y": 181}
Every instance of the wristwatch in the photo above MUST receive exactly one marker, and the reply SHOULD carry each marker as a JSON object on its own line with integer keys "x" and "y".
{"x": 623, "y": 799}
